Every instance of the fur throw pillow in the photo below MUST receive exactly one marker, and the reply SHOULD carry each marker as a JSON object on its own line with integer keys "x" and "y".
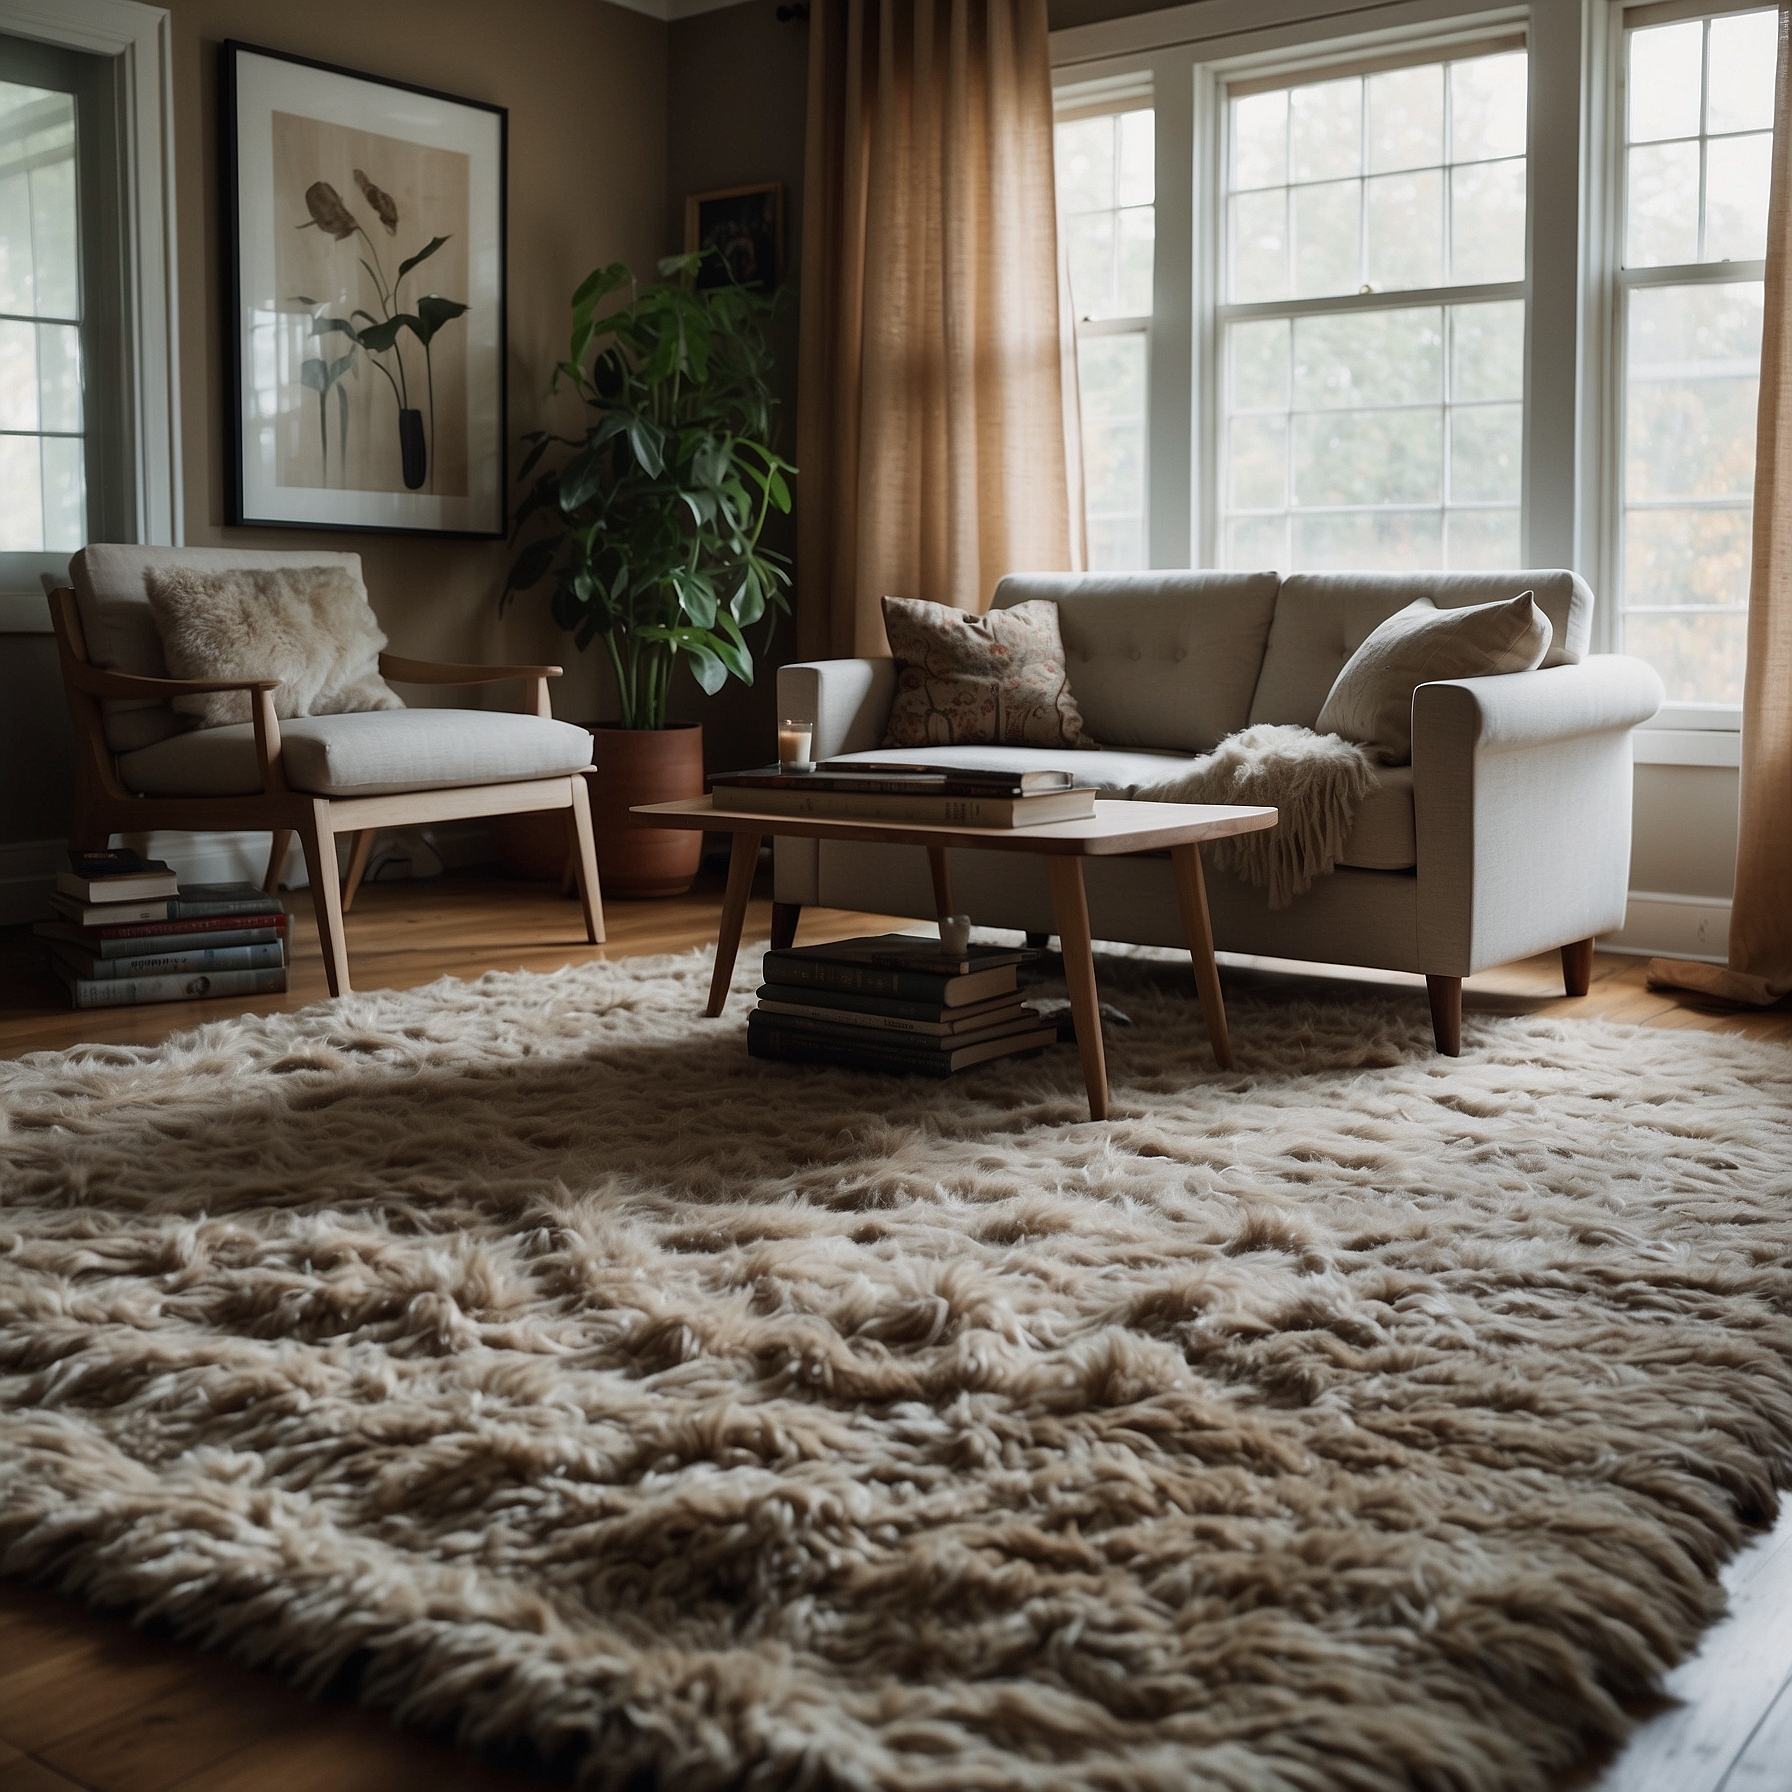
{"x": 311, "y": 627}
{"x": 993, "y": 680}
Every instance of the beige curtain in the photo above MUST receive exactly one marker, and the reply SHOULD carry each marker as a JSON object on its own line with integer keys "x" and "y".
{"x": 1760, "y": 967}
{"x": 931, "y": 417}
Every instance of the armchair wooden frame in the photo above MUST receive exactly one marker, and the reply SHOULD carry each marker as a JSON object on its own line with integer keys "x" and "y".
{"x": 103, "y": 807}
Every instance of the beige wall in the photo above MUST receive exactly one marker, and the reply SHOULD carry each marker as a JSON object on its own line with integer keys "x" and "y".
{"x": 585, "y": 86}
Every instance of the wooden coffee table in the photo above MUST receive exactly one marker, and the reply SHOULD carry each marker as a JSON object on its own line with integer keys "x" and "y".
{"x": 1115, "y": 828}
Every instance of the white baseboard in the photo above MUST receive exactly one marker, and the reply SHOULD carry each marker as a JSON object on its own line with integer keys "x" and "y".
{"x": 1657, "y": 925}
{"x": 28, "y": 867}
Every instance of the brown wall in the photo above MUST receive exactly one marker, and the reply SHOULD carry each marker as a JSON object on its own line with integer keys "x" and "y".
{"x": 736, "y": 84}
{"x": 585, "y": 86}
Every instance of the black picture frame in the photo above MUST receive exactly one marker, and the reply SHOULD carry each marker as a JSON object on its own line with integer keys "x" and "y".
{"x": 747, "y": 225}
{"x": 385, "y": 343}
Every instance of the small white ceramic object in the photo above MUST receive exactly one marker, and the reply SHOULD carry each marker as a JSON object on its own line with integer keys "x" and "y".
{"x": 955, "y": 933}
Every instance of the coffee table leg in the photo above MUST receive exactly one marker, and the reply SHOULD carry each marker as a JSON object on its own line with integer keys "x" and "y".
{"x": 743, "y": 861}
{"x": 942, "y": 882}
{"x": 1070, "y": 908}
{"x": 1197, "y": 929}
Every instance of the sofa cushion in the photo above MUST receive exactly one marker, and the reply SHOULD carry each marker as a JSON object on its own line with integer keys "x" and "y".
{"x": 311, "y": 627}
{"x": 368, "y": 753}
{"x": 1322, "y": 618}
{"x": 1372, "y": 699}
{"x": 121, "y": 632}
{"x": 1383, "y": 838}
{"x": 965, "y": 680}
{"x": 1158, "y": 659}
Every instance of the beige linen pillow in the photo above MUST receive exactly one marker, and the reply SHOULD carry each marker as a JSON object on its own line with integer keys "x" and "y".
{"x": 993, "y": 680}
{"x": 311, "y": 627}
{"x": 1371, "y": 699}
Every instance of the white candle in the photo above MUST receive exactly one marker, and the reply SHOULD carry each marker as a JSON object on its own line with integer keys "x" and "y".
{"x": 793, "y": 745}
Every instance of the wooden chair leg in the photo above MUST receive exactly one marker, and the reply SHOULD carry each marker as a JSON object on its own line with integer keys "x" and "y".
{"x": 584, "y": 858}
{"x": 281, "y": 846}
{"x": 1577, "y": 967}
{"x": 326, "y": 895}
{"x": 1446, "y": 1013}
{"x": 784, "y": 920}
{"x": 358, "y": 856}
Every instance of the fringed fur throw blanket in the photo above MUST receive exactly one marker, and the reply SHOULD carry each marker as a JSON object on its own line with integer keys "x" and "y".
{"x": 1316, "y": 780}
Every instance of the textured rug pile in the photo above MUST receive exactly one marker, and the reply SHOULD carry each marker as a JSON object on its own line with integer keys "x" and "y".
{"x": 1357, "y": 1419}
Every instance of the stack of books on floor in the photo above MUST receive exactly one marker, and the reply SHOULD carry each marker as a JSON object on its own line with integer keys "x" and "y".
{"x": 126, "y": 931}
{"x": 950, "y": 795}
{"x": 894, "y": 1002}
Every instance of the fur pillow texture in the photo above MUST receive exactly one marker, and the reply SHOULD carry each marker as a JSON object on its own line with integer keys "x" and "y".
{"x": 311, "y": 627}
{"x": 993, "y": 680}
{"x": 1371, "y": 699}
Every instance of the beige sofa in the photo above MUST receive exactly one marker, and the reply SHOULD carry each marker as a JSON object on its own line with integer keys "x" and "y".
{"x": 1508, "y": 834}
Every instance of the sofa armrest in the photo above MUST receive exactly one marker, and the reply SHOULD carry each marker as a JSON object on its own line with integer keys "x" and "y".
{"x": 1606, "y": 692}
{"x": 849, "y": 699}
{"x": 1522, "y": 792}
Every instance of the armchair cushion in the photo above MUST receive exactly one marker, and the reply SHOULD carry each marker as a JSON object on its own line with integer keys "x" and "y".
{"x": 120, "y": 629}
{"x": 366, "y": 753}
{"x": 311, "y": 627}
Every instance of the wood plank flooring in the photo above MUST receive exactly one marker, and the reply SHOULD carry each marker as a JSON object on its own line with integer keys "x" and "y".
{"x": 88, "y": 1704}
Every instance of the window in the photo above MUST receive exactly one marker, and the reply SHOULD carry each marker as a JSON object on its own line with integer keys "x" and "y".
{"x": 1362, "y": 424}
{"x": 1697, "y": 123}
{"x": 43, "y": 486}
{"x": 65, "y": 449}
{"x": 1106, "y": 171}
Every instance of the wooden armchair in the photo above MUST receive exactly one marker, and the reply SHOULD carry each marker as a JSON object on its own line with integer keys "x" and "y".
{"x": 313, "y": 779}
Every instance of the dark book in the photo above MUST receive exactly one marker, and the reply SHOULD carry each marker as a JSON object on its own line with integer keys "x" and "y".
{"x": 927, "y": 809}
{"x": 908, "y": 952}
{"x": 882, "y": 1034}
{"x": 110, "y": 861}
{"x": 166, "y": 936}
{"x": 925, "y": 1013}
{"x": 929, "y": 978}
{"x": 790, "y": 1046}
{"x": 896, "y": 780}
{"x": 85, "y": 962}
{"x": 127, "y": 992}
{"x": 151, "y": 878}
{"x": 195, "y": 902}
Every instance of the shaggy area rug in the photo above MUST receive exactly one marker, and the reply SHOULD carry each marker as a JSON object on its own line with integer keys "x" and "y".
{"x": 1357, "y": 1419}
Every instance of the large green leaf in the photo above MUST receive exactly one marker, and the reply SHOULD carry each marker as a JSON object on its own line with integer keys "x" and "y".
{"x": 376, "y": 338}
{"x": 531, "y": 565}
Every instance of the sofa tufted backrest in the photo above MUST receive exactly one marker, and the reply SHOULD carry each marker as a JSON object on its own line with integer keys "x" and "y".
{"x": 1157, "y": 659}
{"x": 1322, "y": 618}
{"x": 121, "y": 630}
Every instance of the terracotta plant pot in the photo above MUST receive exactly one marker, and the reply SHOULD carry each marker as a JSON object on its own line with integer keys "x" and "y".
{"x": 645, "y": 765}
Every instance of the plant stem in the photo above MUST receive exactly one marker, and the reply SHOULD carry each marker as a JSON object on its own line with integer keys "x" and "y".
{"x": 628, "y": 716}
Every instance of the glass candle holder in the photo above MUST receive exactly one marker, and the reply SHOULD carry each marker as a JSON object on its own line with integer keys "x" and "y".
{"x": 796, "y": 735}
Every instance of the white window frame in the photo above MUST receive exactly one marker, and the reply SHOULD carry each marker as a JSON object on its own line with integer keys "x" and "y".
{"x": 141, "y": 38}
{"x": 1690, "y": 725}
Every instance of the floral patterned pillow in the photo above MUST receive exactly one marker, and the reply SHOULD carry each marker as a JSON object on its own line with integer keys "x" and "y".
{"x": 993, "y": 680}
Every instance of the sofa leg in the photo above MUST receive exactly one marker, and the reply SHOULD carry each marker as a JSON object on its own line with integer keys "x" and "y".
{"x": 784, "y": 919}
{"x": 1577, "y": 967}
{"x": 1446, "y": 1013}
{"x": 278, "y": 848}
{"x": 359, "y": 854}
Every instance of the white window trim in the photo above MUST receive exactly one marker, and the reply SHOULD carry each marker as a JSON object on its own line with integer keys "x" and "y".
{"x": 141, "y": 37}
{"x": 1679, "y": 723}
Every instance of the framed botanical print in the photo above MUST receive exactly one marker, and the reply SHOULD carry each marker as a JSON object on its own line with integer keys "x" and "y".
{"x": 364, "y": 288}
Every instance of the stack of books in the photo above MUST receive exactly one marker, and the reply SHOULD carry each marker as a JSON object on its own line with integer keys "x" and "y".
{"x": 126, "y": 931}
{"x": 955, "y": 796}
{"x": 894, "y": 1002}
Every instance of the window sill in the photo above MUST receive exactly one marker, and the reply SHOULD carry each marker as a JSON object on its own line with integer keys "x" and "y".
{"x": 1687, "y": 746}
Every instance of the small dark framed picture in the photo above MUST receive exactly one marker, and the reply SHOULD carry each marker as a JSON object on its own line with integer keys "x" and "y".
{"x": 746, "y": 226}
{"x": 364, "y": 275}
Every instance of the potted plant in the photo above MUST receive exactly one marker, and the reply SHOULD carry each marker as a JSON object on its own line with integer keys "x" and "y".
{"x": 648, "y": 527}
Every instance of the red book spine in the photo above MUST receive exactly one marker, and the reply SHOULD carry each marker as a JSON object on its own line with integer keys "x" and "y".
{"x": 131, "y": 930}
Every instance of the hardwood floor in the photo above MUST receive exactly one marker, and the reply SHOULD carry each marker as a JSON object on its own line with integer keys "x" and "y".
{"x": 88, "y": 1704}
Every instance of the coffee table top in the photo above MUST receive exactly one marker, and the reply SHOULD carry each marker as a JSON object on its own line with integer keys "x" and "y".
{"x": 1116, "y": 827}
